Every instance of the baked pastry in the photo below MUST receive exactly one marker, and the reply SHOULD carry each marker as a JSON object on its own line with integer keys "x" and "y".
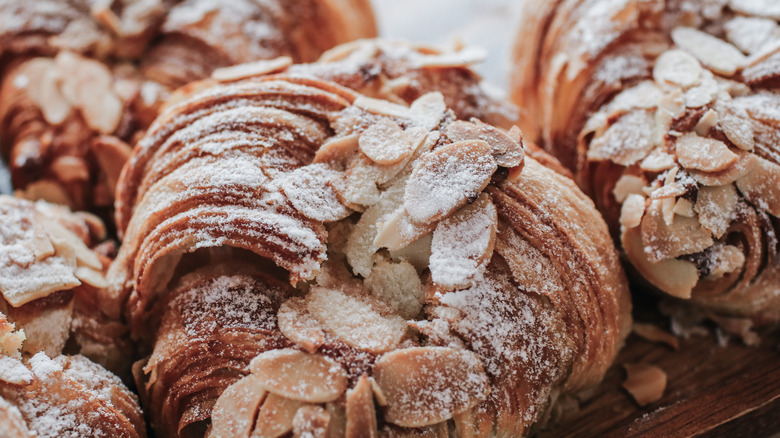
{"x": 371, "y": 253}
{"x": 665, "y": 111}
{"x": 52, "y": 269}
{"x": 73, "y": 99}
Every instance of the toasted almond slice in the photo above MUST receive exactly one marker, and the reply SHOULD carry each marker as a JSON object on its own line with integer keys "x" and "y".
{"x": 51, "y": 275}
{"x": 657, "y": 161}
{"x": 398, "y": 231}
{"x": 53, "y": 105}
{"x": 297, "y": 325}
{"x": 652, "y": 333}
{"x": 398, "y": 286}
{"x": 632, "y": 210}
{"x": 311, "y": 422}
{"x": 717, "y": 207}
{"x": 104, "y": 113}
{"x": 385, "y": 142}
{"x": 428, "y": 110}
{"x": 506, "y": 151}
{"x": 446, "y": 178}
{"x": 673, "y": 276}
{"x": 300, "y": 376}
{"x": 725, "y": 259}
{"x": 645, "y": 95}
{"x": 761, "y": 185}
{"x": 463, "y": 244}
{"x": 13, "y": 371}
{"x": 750, "y": 33}
{"x": 66, "y": 243}
{"x": 91, "y": 277}
{"x": 628, "y": 185}
{"x": 354, "y": 321}
{"x": 112, "y": 154}
{"x": 361, "y": 415}
{"x": 677, "y": 67}
{"x": 737, "y": 130}
{"x": 69, "y": 169}
{"x": 720, "y": 56}
{"x": 382, "y": 107}
{"x": 234, "y": 413}
{"x": 47, "y": 190}
{"x": 627, "y": 141}
{"x": 646, "y": 383}
{"x": 308, "y": 190}
{"x": 379, "y": 396}
{"x": 275, "y": 417}
{"x": 667, "y": 241}
{"x": 429, "y": 385}
{"x": 684, "y": 207}
{"x": 761, "y": 8}
{"x": 337, "y": 150}
{"x": 461, "y": 58}
{"x": 702, "y": 94}
{"x": 671, "y": 190}
{"x": 707, "y": 121}
{"x": 705, "y": 154}
{"x": 251, "y": 69}
{"x": 359, "y": 186}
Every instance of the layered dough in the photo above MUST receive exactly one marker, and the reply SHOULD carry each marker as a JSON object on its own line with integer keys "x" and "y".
{"x": 399, "y": 271}
{"x": 666, "y": 112}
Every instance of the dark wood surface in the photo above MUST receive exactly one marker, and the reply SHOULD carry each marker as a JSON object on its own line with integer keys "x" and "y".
{"x": 713, "y": 390}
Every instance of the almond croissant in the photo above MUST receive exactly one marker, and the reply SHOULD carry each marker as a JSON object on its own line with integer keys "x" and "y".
{"x": 300, "y": 258}
{"x": 668, "y": 114}
{"x": 73, "y": 98}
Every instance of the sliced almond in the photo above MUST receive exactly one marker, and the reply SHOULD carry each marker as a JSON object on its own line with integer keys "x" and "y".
{"x": 382, "y": 107}
{"x": 429, "y": 385}
{"x": 308, "y": 190}
{"x": 463, "y": 244}
{"x": 355, "y": 322}
{"x": 737, "y": 130}
{"x": 397, "y": 231}
{"x": 275, "y": 417}
{"x": 297, "y": 325}
{"x": 707, "y": 121}
{"x": 13, "y": 371}
{"x": 677, "y": 67}
{"x": 428, "y": 110}
{"x": 398, "y": 286}
{"x": 657, "y": 161}
{"x": 70, "y": 169}
{"x": 461, "y": 58}
{"x": 761, "y": 185}
{"x": 673, "y": 276}
{"x": 646, "y": 383}
{"x": 632, "y": 210}
{"x": 337, "y": 150}
{"x": 66, "y": 244}
{"x": 359, "y": 186}
{"x": 725, "y": 259}
{"x": 446, "y": 178}
{"x": 705, "y": 154}
{"x": 385, "y": 142}
{"x": 750, "y": 33}
{"x": 662, "y": 241}
{"x": 653, "y": 333}
{"x": 627, "y": 141}
{"x": 234, "y": 413}
{"x": 628, "y": 185}
{"x": 311, "y": 422}
{"x": 91, "y": 277}
{"x": 761, "y": 8}
{"x": 506, "y": 151}
{"x": 702, "y": 94}
{"x": 112, "y": 154}
{"x": 104, "y": 113}
{"x": 251, "y": 69}
{"x": 717, "y": 207}
{"x": 684, "y": 207}
{"x": 53, "y": 105}
{"x": 720, "y": 56}
{"x": 361, "y": 415}
{"x": 300, "y": 376}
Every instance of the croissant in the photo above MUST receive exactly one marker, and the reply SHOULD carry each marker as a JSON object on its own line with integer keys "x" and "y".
{"x": 301, "y": 258}
{"x": 73, "y": 98}
{"x": 665, "y": 112}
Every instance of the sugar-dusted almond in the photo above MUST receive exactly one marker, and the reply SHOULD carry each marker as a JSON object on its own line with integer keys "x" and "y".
{"x": 761, "y": 185}
{"x": 358, "y": 187}
{"x": 337, "y": 149}
{"x": 749, "y": 34}
{"x": 702, "y": 94}
{"x": 447, "y": 178}
{"x": 382, "y": 107}
{"x": 632, "y": 210}
{"x": 54, "y": 106}
{"x": 725, "y": 259}
{"x": 308, "y": 190}
{"x": 720, "y": 56}
{"x": 397, "y": 230}
{"x": 761, "y": 8}
{"x": 354, "y": 321}
{"x": 707, "y": 121}
{"x": 361, "y": 415}
{"x": 297, "y": 325}
{"x": 251, "y": 69}
{"x": 627, "y": 141}
{"x": 397, "y": 285}
{"x": 111, "y": 153}
{"x": 13, "y": 371}
{"x": 737, "y": 130}
{"x": 506, "y": 151}
{"x": 673, "y": 276}
{"x": 234, "y": 413}
{"x": 384, "y": 142}
{"x": 653, "y": 333}
{"x": 429, "y": 385}
{"x": 705, "y": 154}
{"x": 275, "y": 416}
{"x": 677, "y": 67}
{"x": 104, "y": 113}
{"x": 717, "y": 207}
{"x": 428, "y": 110}
{"x": 463, "y": 244}
{"x": 300, "y": 376}
{"x": 628, "y": 185}
{"x": 684, "y": 207}
{"x": 667, "y": 241}
{"x": 67, "y": 244}
{"x": 646, "y": 94}
{"x": 646, "y": 383}
{"x": 657, "y": 161}
{"x": 461, "y": 58}
{"x": 311, "y": 422}
{"x": 91, "y": 277}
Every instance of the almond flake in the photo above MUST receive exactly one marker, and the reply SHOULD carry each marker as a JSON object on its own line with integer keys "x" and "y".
{"x": 429, "y": 385}
{"x": 749, "y": 34}
{"x": 382, "y": 107}
{"x": 705, "y": 154}
{"x": 761, "y": 185}
{"x": 251, "y": 69}
{"x": 385, "y": 142}
{"x": 111, "y": 154}
{"x": 652, "y": 333}
{"x": 311, "y": 422}
{"x": 103, "y": 113}
{"x": 684, "y": 207}
{"x": 506, "y": 151}
{"x": 308, "y": 190}
{"x": 702, "y": 94}
{"x": 717, "y": 207}
{"x": 720, "y": 56}
{"x": 361, "y": 415}
{"x": 234, "y": 412}
{"x": 646, "y": 383}
{"x": 667, "y": 241}
{"x": 741, "y": 167}
{"x": 300, "y": 376}
{"x": 673, "y": 276}
{"x": 337, "y": 149}
{"x": 761, "y": 8}
{"x": 707, "y": 121}
{"x": 275, "y": 417}
{"x": 628, "y": 185}
{"x": 632, "y": 210}
{"x": 677, "y": 67}
{"x": 397, "y": 231}
{"x": 627, "y": 141}
{"x": 91, "y": 277}
{"x": 658, "y": 161}
{"x": 446, "y": 178}
{"x": 355, "y": 321}
{"x": 725, "y": 259}
{"x": 53, "y": 105}
{"x": 463, "y": 244}
{"x": 398, "y": 286}
{"x": 428, "y": 110}
{"x": 297, "y": 325}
